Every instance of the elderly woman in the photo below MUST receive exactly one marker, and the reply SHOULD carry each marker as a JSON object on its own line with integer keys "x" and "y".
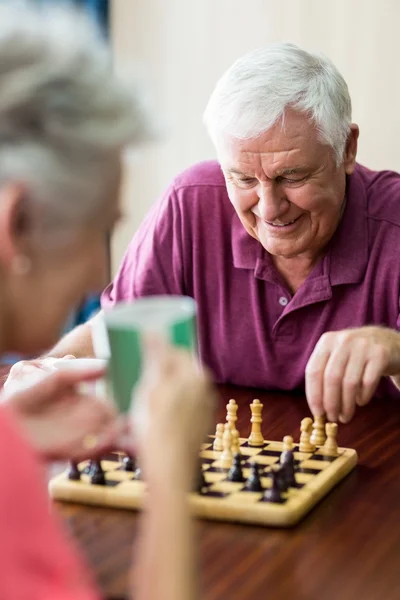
{"x": 289, "y": 246}
{"x": 64, "y": 121}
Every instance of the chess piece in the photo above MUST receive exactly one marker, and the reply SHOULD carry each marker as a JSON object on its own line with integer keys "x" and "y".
{"x": 318, "y": 433}
{"x": 330, "y": 447}
{"x": 253, "y": 484}
{"x": 235, "y": 442}
{"x": 128, "y": 464}
{"x": 88, "y": 468}
{"x": 256, "y": 438}
{"x": 226, "y": 456}
{"x": 273, "y": 494}
{"x": 73, "y": 471}
{"x": 200, "y": 480}
{"x": 287, "y": 447}
{"x": 288, "y": 468}
{"x": 218, "y": 444}
{"x": 231, "y": 414}
{"x": 97, "y": 473}
{"x": 235, "y": 473}
{"x": 305, "y": 428}
{"x": 281, "y": 478}
{"x": 138, "y": 474}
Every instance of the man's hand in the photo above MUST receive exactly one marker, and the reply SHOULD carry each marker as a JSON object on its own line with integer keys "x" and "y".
{"x": 60, "y": 422}
{"x": 345, "y": 368}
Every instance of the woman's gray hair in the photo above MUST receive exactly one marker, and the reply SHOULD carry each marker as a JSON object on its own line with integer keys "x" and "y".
{"x": 64, "y": 116}
{"x": 255, "y": 91}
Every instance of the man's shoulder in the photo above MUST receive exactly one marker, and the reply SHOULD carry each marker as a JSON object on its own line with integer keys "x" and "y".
{"x": 382, "y": 190}
{"x": 196, "y": 195}
{"x": 204, "y": 174}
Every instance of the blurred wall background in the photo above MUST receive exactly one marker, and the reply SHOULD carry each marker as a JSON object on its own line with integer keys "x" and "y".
{"x": 183, "y": 46}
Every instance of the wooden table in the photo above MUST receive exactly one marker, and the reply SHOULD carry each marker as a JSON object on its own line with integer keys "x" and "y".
{"x": 348, "y": 548}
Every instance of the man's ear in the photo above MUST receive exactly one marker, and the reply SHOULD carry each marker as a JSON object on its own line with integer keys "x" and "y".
{"x": 14, "y": 223}
{"x": 350, "y": 152}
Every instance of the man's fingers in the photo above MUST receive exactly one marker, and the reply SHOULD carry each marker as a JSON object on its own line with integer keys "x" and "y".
{"x": 352, "y": 385}
{"x": 314, "y": 379}
{"x": 332, "y": 383}
{"x": 370, "y": 381}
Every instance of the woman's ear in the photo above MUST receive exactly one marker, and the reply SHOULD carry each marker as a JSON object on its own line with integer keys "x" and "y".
{"x": 14, "y": 225}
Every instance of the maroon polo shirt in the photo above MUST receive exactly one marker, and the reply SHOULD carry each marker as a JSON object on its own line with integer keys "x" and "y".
{"x": 252, "y": 330}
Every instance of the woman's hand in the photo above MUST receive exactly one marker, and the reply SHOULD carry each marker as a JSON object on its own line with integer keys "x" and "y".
{"x": 172, "y": 415}
{"x": 62, "y": 423}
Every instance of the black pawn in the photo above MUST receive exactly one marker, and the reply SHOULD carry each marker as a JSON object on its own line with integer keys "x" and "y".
{"x": 289, "y": 469}
{"x": 200, "y": 481}
{"x": 87, "y": 470}
{"x": 253, "y": 484}
{"x": 282, "y": 479}
{"x": 73, "y": 472}
{"x": 274, "y": 493}
{"x": 235, "y": 473}
{"x": 97, "y": 473}
{"x": 128, "y": 464}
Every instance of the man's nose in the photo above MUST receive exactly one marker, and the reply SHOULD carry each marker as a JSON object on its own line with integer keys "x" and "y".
{"x": 271, "y": 204}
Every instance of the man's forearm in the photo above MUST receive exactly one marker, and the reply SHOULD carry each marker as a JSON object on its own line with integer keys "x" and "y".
{"x": 77, "y": 342}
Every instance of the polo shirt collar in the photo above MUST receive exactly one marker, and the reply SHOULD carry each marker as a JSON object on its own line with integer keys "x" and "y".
{"x": 348, "y": 249}
{"x": 347, "y": 253}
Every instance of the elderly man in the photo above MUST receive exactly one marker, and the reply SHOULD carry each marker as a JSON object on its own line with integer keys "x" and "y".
{"x": 290, "y": 247}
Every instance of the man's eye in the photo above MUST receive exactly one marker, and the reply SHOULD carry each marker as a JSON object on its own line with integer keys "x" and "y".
{"x": 246, "y": 181}
{"x": 289, "y": 180}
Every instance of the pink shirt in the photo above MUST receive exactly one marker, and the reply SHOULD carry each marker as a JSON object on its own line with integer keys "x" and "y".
{"x": 252, "y": 330}
{"x": 36, "y": 560}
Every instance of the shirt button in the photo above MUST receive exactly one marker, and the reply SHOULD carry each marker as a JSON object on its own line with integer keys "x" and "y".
{"x": 283, "y": 301}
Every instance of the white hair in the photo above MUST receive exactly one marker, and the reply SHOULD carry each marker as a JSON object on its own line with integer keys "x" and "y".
{"x": 255, "y": 91}
{"x": 64, "y": 115}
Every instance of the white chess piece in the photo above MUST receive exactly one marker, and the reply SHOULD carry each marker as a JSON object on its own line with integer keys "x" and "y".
{"x": 226, "y": 456}
{"x": 218, "y": 444}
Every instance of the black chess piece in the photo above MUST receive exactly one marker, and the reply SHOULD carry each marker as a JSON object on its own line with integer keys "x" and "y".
{"x": 288, "y": 468}
{"x": 273, "y": 494}
{"x": 128, "y": 464}
{"x": 74, "y": 473}
{"x": 235, "y": 473}
{"x": 253, "y": 484}
{"x": 88, "y": 469}
{"x": 97, "y": 473}
{"x": 200, "y": 480}
{"x": 282, "y": 479}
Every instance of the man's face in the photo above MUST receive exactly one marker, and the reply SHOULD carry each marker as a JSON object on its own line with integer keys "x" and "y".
{"x": 286, "y": 187}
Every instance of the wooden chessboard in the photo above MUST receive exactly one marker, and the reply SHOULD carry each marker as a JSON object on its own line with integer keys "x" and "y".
{"x": 316, "y": 474}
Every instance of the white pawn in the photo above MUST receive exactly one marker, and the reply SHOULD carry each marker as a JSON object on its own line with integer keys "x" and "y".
{"x": 287, "y": 443}
{"x": 235, "y": 442}
{"x": 226, "y": 456}
{"x": 218, "y": 445}
{"x": 330, "y": 447}
{"x": 287, "y": 447}
{"x": 305, "y": 428}
{"x": 318, "y": 436}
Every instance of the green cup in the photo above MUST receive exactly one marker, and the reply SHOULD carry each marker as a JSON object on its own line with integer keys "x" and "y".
{"x": 171, "y": 317}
